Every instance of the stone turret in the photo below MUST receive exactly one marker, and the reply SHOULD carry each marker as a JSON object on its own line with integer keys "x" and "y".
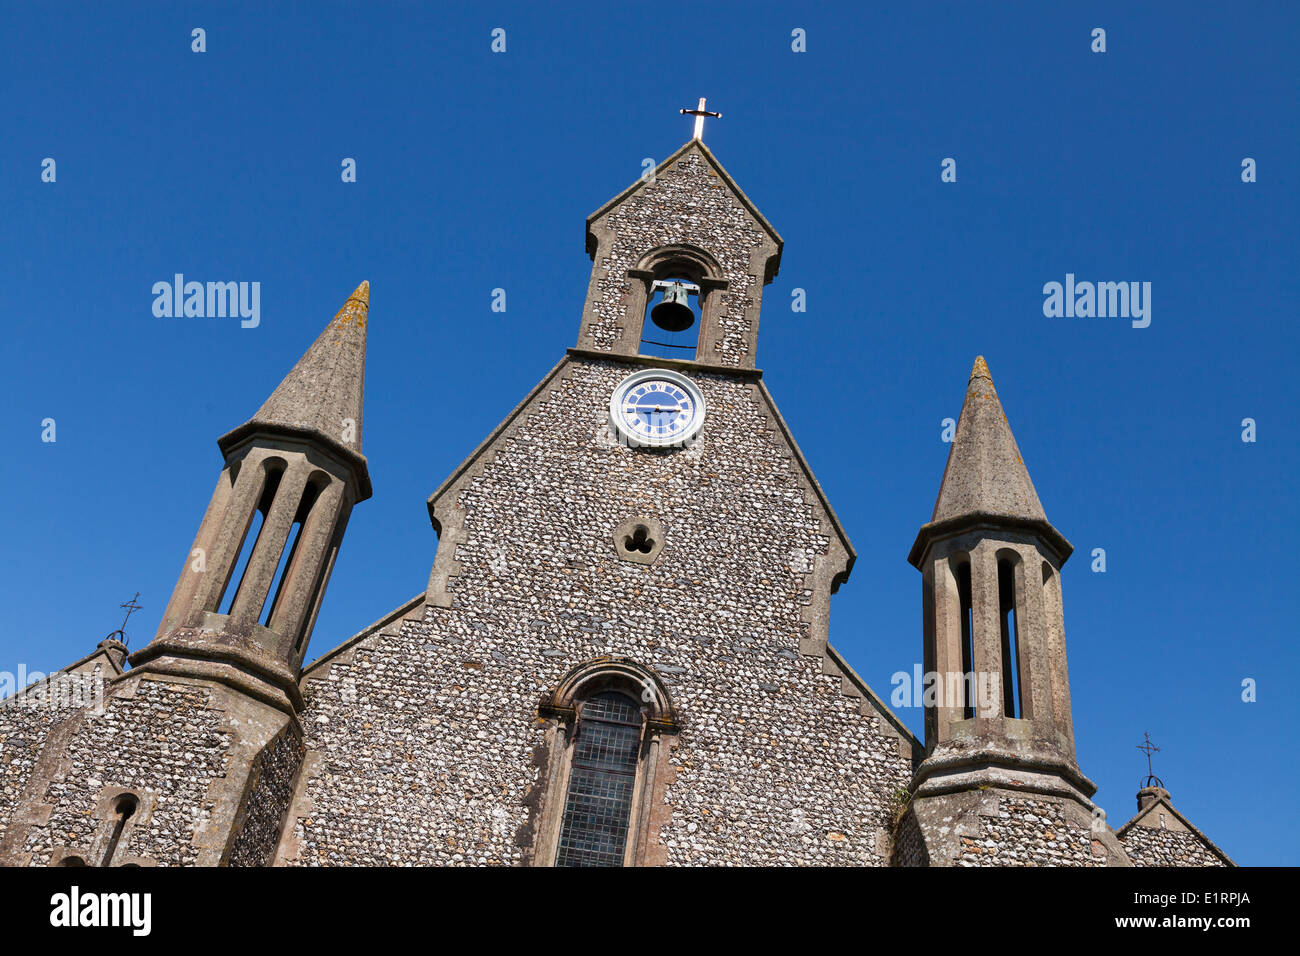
{"x": 999, "y": 740}
{"x": 297, "y": 466}
{"x": 192, "y": 755}
{"x": 994, "y": 628}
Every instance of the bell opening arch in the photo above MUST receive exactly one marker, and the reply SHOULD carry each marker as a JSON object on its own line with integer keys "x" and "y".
{"x": 666, "y": 281}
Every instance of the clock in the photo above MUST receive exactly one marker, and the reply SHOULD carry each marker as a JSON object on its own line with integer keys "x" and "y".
{"x": 656, "y": 408}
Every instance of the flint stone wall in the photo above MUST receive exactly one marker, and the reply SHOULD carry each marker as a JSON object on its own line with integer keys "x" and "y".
{"x": 25, "y": 723}
{"x": 272, "y": 780}
{"x": 1028, "y": 832}
{"x": 427, "y": 745}
{"x": 1149, "y": 846}
{"x": 161, "y": 737}
{"x": 688, "y": 203}
{"x": 909, "y": 848}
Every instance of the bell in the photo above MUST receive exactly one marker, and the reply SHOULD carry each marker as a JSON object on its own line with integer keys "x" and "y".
{"x": 673, "y": 314}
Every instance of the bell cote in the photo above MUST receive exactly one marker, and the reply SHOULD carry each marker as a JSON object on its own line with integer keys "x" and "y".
{"x": 679, "y": 262}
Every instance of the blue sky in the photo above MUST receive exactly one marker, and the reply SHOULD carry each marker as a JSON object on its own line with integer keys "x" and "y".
{"x": 476, "y": 171}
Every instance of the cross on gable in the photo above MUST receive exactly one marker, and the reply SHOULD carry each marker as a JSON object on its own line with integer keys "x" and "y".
{"x": 1148, "y": 748}
{"x": 131, "y": 607}
{"x": 699, "y": 113}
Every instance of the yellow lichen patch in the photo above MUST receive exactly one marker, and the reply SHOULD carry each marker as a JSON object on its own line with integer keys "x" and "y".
{"x": 352, "y": 313}
{"x": 356, "y": 309}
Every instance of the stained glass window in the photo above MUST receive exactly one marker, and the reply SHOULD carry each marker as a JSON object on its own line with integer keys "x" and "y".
{"x": 599, "y": 802}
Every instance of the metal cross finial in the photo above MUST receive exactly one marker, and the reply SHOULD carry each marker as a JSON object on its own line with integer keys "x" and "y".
{"x": 699, "y": 113}
{"x": 1149, "y": 748}
{"x": 131, "y": 607}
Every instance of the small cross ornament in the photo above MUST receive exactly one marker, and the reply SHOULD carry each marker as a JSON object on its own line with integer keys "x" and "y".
{"x": 699, "y": 113}
{"x": 1149, "y": 748}
{"x": 131, "y": 607}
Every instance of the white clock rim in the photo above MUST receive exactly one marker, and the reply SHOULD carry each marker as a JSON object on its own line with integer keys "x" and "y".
{"x": 677, "y": 378}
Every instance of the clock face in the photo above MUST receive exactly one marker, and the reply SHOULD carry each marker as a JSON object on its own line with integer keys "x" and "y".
{"x": 657, "y": 408}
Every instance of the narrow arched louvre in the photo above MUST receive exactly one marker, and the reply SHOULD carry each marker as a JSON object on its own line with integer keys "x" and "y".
{"x": 967, "y": 639}
{"x": 598, "y": 805}
{"x": 1012, "y": 699}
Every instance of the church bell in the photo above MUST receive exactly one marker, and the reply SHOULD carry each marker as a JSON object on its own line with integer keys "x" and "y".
{"x": 673, "y": 314}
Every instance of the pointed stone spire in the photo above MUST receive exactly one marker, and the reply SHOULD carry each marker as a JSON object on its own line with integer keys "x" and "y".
{"x": 326, "y": 387}
{"x": 986, "y": 478}
{"x": 992, "y": 612}
{"x": 985, "y": 473}
{"x": 323, "y": 393}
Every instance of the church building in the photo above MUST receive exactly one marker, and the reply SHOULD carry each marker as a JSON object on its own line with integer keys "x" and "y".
{"x": 622, "y": 656}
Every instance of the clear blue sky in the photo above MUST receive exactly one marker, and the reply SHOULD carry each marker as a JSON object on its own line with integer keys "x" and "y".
{"x": 477, "y": 170}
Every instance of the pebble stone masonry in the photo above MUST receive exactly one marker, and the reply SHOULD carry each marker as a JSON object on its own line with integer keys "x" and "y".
{"x": 443, "y": 734}
{"x": 774, "y": 764}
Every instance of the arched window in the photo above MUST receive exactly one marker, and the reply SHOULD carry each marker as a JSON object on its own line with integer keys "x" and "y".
{"x": 602, "y": 778}
{"x": 124, "y": 808}
{"x": 606, "y": 753}
{"x": 309, "y": 496}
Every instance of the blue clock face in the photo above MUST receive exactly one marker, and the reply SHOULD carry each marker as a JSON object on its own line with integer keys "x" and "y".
{"x": 657, "y": 408}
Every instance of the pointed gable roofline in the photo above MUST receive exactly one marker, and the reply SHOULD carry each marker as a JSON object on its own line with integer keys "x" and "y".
{"x": 479, "y": 454}
{"x": 985, "y": 482}
{"x": 773, "y": 264}
{"x": 110, "y": 651}
{"x": 325, "y": 388}
{"x": 1162, "y": 801}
